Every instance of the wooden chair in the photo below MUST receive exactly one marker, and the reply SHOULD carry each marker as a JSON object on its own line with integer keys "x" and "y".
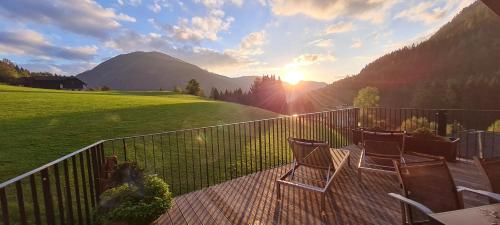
{"x": 429, "y": 188}
{"x": 379, "y": 149}
{"x": 490, "y": 170}
{"x": 315, "y": 155}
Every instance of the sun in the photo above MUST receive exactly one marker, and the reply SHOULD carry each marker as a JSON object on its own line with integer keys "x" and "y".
{"x": 293, "y": 77}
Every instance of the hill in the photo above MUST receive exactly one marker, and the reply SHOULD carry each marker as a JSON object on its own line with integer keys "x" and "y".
{"x": 151, "y": 71}
{"x": 457, "y": 67}
{"x": 49, "y": 123}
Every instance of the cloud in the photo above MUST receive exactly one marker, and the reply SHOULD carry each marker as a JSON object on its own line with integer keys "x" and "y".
{"x": 249, "y": 45}
{"x": 78, "y": 16}
{"x": 157, "y": 5}
{"x": 200, "y": 28}
{"x": 322, "y": 43}
{"x": 356, "y": 43}
{"x": 431, "y": 11}
{"x": 426, "y": 12}
{"x": 340, "y": 27}
{"x": 30, "y": 43}
{"x": 206, "y": 58}
{"x": 217, "y": 4}
{"x": 310, "y": 59}
{"x": 372, "y": 10}
{"x": 61, "y": 69}
{"x": 130, "y": 2}
{"x": 262, "y": 2}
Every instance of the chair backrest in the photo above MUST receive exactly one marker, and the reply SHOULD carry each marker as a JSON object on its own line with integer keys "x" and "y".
{"x": 384, "y": 143}
{"x": 311, "y": 153}
{"x": 429, "y": 183}
{"x": 490, "y": 168}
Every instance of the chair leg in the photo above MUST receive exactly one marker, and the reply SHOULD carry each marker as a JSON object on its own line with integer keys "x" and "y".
{"x": 278, "y": 191}
{"x": 360, "y": 175}
{"x": 323, "y": 200}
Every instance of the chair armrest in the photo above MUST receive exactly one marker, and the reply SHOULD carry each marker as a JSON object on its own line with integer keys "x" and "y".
{"x": 415, "y": 204}
{"x": 488, "y": 194}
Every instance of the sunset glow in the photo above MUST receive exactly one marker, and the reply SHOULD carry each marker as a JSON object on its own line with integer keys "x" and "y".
{"x": 293, "y": 77}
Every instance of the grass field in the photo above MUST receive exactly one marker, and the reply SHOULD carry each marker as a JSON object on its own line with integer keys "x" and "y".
{"x": 39, "y": 125}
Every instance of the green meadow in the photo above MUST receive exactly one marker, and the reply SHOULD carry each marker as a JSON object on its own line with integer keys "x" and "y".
{"x": 40, "y": 125}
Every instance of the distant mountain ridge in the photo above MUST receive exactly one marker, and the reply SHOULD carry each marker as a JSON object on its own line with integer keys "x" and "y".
{"x": 151, "y": 71}
{"x": 155, "y": 70}
{"x": 457, "y": 67}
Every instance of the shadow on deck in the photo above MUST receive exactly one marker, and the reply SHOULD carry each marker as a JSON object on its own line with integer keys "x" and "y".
{"x": 252, "y": 199}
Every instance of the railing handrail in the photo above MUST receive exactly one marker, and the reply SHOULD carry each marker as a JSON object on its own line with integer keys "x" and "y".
{"x": 226, "y": 124}
{"x": 446, "y": 109}
{"x": 40, "y": 168}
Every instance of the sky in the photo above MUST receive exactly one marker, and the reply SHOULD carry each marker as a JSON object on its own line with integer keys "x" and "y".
{"x": 322, "y": 40}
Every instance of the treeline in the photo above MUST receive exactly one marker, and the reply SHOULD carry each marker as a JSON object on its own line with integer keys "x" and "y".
{"x": 266, "y": 92}
{"x": 10, "y": 72}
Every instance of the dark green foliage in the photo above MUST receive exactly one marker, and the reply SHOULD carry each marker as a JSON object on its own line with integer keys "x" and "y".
{"x": 193, "y": 87}
{"x": 367, "y": 97}
{"x": 266, "y": 92}
{"x": 105, "y": 88}
{"x": 9, "y": 71}
{"x": 136, "y": 200}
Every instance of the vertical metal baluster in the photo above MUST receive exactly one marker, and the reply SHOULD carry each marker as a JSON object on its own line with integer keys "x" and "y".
{"x": 124, "y": 150}
{"x": 260, "y": 143}
{"x": 5, "y": 207}
{"x": 224, "y": 151}
{"x": 84, "y": 189}
{"x": 77, "y": 191}
{"x": 199, "y": 139}
{"x": 206, "y": 154}
{"x": 185, "y": 160}
{"x": 91, "y": 184}
{"x": 178, "y": 162}
{"x": 235, "y": 152}
{"x": 241, "y": 152}
{"x": 245, "y": 146}
{"x": 47, "y": 196}
{"x": 212, "y": 151}
{"x": 20, "y": 203}
{"x": 144, "y": 152}
{"x": 67, "y": 186}
{"x": 193, "y": 160}
{"x": 154, "y": 153}
{"x": 218, "y": 155}
{"x": 34, "y": 197}
{"x": 162, "y": 158}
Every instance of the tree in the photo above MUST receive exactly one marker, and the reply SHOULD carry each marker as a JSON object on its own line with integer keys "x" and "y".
{"x": 177, "y": 89}
{"x": 214, "y": 94}
{"x": 193, "y": 87}
{"x": 367, "y": 97}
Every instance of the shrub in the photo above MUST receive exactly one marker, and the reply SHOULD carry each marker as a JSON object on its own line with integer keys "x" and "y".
{"x": 138, "y": 202}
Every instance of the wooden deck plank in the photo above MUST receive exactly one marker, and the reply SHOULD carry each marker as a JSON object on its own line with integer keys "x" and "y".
{"x": 252, "y": 199}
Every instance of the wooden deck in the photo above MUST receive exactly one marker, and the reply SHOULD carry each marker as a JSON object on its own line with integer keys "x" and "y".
{"x": 252, "y": 199}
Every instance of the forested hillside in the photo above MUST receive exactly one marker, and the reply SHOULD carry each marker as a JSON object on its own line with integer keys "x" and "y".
{"x": 457, "y": 67}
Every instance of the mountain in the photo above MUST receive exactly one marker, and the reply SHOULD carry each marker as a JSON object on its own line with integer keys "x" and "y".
{"x": 155, "y": 70}
{"x": 151, "y": 71}
{"x": 457, "y": 67}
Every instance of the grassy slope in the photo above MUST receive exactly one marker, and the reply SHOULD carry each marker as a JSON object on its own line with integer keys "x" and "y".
{"x": 39, "y": 125}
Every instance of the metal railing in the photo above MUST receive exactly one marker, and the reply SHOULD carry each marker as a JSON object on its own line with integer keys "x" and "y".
{"x": 462, "y": 123}
{"x": 67, "y": 190}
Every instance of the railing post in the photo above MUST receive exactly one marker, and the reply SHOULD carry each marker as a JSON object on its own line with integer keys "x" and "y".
{"x": 356, "y": 118}
{"x": 441, "y": 122}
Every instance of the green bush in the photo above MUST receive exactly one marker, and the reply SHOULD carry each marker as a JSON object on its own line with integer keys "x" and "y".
{"x": 134, "y": 203}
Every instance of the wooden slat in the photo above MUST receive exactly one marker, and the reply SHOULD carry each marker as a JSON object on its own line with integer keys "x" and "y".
{"x": 252, "y": 199}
